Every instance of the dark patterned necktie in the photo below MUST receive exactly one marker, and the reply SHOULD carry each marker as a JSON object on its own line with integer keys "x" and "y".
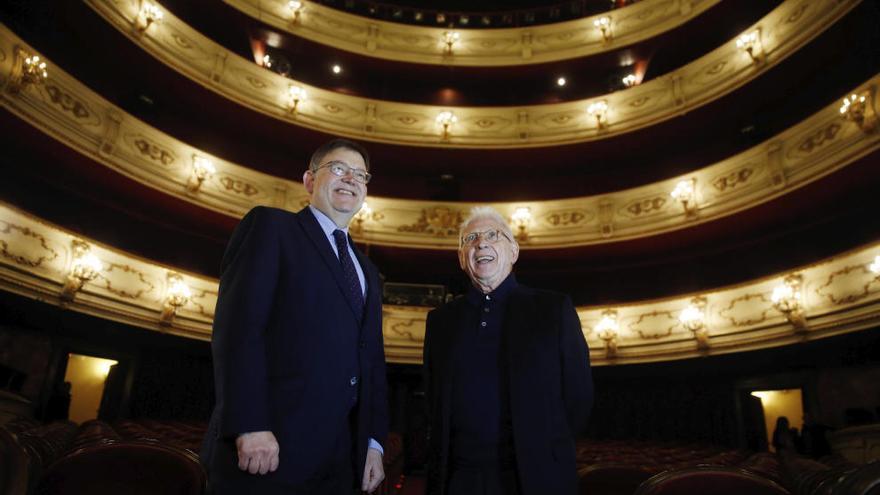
{"x": 352, "y": 284}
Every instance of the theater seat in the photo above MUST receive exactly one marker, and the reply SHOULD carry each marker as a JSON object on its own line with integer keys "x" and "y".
{"x": 14, "y": 466}
{"x": 610, "y": 479}
{"x": 710, "y": 480}
{"x": 130, "y": 467}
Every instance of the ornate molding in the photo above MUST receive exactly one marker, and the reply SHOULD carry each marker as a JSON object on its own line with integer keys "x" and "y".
{"x": 806, "y": 152}
{"x": 782, "y": 32}
{"x": 840, "y": 295}
{"x": 475, "y": 47}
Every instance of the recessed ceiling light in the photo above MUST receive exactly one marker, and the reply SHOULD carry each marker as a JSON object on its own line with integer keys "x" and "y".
{"x": 337, "y": 69}
{"x": 561, "y": 82}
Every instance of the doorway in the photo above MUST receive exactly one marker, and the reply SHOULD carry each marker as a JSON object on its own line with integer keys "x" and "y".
{"x": 87, "y": 376}
{"x": 787, "y": 403}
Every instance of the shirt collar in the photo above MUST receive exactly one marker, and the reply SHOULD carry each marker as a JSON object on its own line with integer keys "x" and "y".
{"x": 476, "y": 297}
{"x": 327, "y": 225}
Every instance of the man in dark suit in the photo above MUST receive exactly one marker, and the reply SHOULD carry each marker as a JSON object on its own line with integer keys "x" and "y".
{"x": 299, "y": 364}
{"x": 507, "y": 374}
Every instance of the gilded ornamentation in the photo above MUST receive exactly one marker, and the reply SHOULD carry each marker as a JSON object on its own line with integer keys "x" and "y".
{"x": 716, "y": 69}
{"x": 440, "y": 221}
{"x": 858, "y": 279}
{"x": 331, "y": 108}
{"x": 732, "y": 179}
{"x": 132, "y": 278}
{"x": 657, "y": 320}
{"x": 29, "y": 255}
{"x": 561, "y": 118}
{"x": 729, "y": 312}
{"x": 646, "y": 206}
{"x": 404, "y": 328}
{"x": 198, "y": 294}
{"x": 153, "y": 151}
{"x": 565, "y": 218}
{"x": 819, "y": 138}
{"x": 238, "y": 186}
{"x": 797, "y": 14}
{"x": 255, "y": 82}
{"x": 67, "y": 102}
{"x": 181, "y": 41}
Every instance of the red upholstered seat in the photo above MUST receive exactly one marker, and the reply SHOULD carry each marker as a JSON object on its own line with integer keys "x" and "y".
{"x": 611, "y": 479}
{"x": 710, "y": 480}
{"x": 131, "y": 467}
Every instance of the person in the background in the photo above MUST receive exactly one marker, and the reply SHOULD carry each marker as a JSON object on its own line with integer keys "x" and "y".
{"x": 299, "y": 365}
{"x": 507, "y": 376}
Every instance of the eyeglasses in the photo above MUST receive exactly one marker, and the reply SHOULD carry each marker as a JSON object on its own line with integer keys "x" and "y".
{"x": 490, "y": 236}
{"x": 340, "y": 169}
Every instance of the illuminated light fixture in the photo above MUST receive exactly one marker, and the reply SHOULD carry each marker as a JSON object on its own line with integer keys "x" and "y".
{"x": 603, "y": 24}
{"x": 750, "y": 43}
{"x": 418, "y": 16}
{"x": 693, "y": 318}
{"x": 629, "y": 81}
{"x": 875, "y": 266}
{"x": 446, "y": 120}
{"x": 521, "y": 219}
{"x": 28, "y": 69}
{"x": 486, "y": 20}
{"x": 450, "y": 38}
{"x": 856, "y": 108}
{"x": 561, "y": 82}
{"x": 464, "y": 20}
{"x": 607, "y": 330}
{"x": 599, "y": 111}
{"x": 363, "y": 215}
{"x": 295, "y": 95}
{"x": 267, "y": 61}
{"x": 295, "y": 9}
{"x": 685, "y": 192}
{"x": 150, "y": 13}
{"x": 337, "y": 69}
{"x": 441, "y": 18}
{"x": 178, "y": 295}
{"x": 202, "y": 169}
{"x": 788, "y": 300}
{"x": 85, "y": 267}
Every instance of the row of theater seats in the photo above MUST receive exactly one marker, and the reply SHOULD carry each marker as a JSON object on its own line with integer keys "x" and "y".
{"x": 643, "y": 468}
{"x": 143, "y": 457}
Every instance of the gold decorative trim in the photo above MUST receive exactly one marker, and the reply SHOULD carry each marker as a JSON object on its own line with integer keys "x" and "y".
{"x": 157, "y": 160}
{"x": 475, "y": 47}
{"x": 782, "y": 32}
{"x": 736, "y": 318}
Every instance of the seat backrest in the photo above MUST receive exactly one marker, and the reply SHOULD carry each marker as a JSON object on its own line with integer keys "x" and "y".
{"x": 715, "y": 480}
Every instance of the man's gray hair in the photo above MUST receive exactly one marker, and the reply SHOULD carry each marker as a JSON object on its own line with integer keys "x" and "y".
{"x": 489, "y": 213}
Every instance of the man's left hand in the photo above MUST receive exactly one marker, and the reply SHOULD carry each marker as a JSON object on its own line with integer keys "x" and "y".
{"x": 374, "y": 471}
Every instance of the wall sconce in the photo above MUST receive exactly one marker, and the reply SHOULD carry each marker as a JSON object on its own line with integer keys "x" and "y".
{"x": 85, "y": 267}
{"x": 685, "y": 193}
{"x": 856, "y": 108}
{"x": 450, "y": 38}
{"x": 521, "y": 219}
{"x": 751, "y": 43}
{"x": 604, "y": 25}
{"x": 177, "y": 297}
{"x": 788, "y": 300}
{"x": 875, "y": 267}
{"x": 446, "y": 120}
{"x": 599, "y": 111}
{"x": 295, "y": 9}
{"x": 148, "y": 14}
{"x": 693, "y": 318}
{"x": 607, "y": 329}
{"x": 27, "y": 69}
{"x": 295, "y": 95}
{"x": 364, "y": 214}
{"x": 629, "y": 81}
{"x": 202, "y": 169}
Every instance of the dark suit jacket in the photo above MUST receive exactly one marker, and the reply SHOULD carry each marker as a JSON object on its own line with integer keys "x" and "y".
{"x": 286, "y": 343}
{"x": 550, "y": 383}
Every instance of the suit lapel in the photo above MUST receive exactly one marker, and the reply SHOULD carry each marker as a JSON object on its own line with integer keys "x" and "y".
{"x": 322, "y": 245}
{"x": 371, "y": 278}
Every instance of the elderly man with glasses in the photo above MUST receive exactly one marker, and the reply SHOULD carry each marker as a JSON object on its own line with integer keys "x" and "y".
{"x": 299, "y": 365}
{"x": 507, "y": 377}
